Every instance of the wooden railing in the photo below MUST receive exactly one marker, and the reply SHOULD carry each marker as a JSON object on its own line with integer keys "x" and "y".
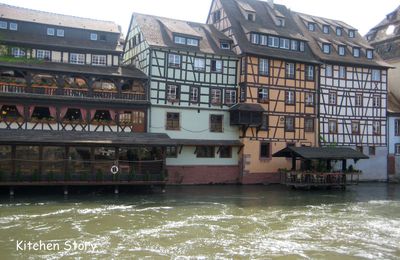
{"x": 44, "y": 90}
{"x": 75, "y": 92}
{"x": 298, "y": 178}
{"x": 12, "y": 88}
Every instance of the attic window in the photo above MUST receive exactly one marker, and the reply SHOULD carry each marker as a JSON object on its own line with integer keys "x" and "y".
{"x": 325, "y": 29}
{"x": 311, "y": 27}
{"x": 342, "y": 50}
{"x": 186, "y": 41}
{"x": 370, "y": 54}
{"x": 352, "y": 33}
{"x": 251, "y": 17}
{"x": 217, "y": 16}
{"x": 326, "y": 48}
{"x": 281, "y": 22}
{"x": 13, "y": 26}
{"x": 50, "y": 31}
{"x": 338, "y": 31}
{"x": 93, "y": 36}
{"x": 225, "y": 46}
{"x": 192, "y": 42}
{"x": 3, "y": 25}
{"x": 356, "y": 52}
{"x": 179, "y": 40}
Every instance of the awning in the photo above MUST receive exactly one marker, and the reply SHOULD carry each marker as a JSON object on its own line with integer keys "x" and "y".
{"x": 200, "y": 142}
{"x": 326, "y": 153}
{"x": 40, "y": 137}
{"x": 247, "y": 107}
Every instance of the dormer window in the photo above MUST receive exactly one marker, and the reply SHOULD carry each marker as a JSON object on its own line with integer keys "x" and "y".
{"x": 280, "y": 22}
{"x": 13, "y": 26}
{"x": 217, "y": 16}
{"x": 50, "y": 31}
{"x": 179, "y": 40}
{"x": 192, "y": 42}
{"x": 302, "y": 46}
{"x": 370, "y": 54}
{"x": 255, "y": 38}
{"x": 251, "y": 17}
{"x": 225, "y": 45}
{"x": 325, "y": 29}
{"x": 311, "y": 26}
{"x": 3, "y": 25}
{"x": 60, "y": 32}
{"x": 342, "y": 50}
{"x": 326, "y": 48}
{"x": 284, "y": 43}
{"x": 356, "y": 52}
{"x": 93, "y": 36}
{"x": 294, "y": 45}
{"x": 352, "y": 33}
{"x": 186, "y": 41}
{"x": 339, "y": 31}
{"x": 263, "y": 40}
{"x": 273, "y": 41}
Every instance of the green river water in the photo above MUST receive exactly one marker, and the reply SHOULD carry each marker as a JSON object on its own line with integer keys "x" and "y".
{"x": 206, "y": 222}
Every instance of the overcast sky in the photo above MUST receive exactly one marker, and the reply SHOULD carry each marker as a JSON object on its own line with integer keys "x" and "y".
{"x": 361, "y": 14}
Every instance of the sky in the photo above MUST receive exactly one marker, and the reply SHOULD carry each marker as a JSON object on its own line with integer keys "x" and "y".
{"x": 361, "y": 14}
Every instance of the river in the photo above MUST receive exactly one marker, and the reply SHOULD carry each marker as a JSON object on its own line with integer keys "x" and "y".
{"x": 206, "y": 222}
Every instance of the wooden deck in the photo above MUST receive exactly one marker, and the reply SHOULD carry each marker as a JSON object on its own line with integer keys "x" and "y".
{"x": 298, "y": 179}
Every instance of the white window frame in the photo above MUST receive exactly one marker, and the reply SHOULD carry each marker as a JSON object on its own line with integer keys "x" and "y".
{"x": 309, "y": 99}
{"x": 326, "y": 48}
{"x": 290, "y": 97}
{"x": 325, "y": 29}
{"x": 216, "y": 96}
{"x": 43, "y": 54}
{"x": 77, "y": 58}
{"x": 17, "y": 52}
{"x": 273, "y": 41}
{"x": 194, "y": 95}
{"x": 376, "y": 127}
{"x": 290, "y": 70}
{"x": 263, "y": 40}
{"x": 192, "y": 42}
{"x": 342, "y": 50}
{"x": 218, "y": 66}
{"x": 332, "y": 98}
{"x": 174, "y": 60}
{"x": 356, "y": 52}
{"x": 352, "y": 34}
{"x": 370, "y": 54}
{"x": 199, "y": 64}
{"x": 263, "y": 67}
{"x": 284, "y": 43}
{"x": 225, "y": 45}
{"x": 339, "y": 31}
{"x": 3, "y": 25}
{"x": 99, "y": 60}
{"x": 230, "y": 96}
{"x": 50, "y": 31}
{"x": 13, "y": 26}
{"x": 332, "y": 127}
{"x": 311, "y": 27}
{"x": 342, "y": 72}
{"x": 310, "y": 73}
{"x": 263, "y": 95}
{"x": 302, "y": 46}
{"x": 376, "y": 75}
{"x": 93, "y": 36}
{"x": 328, "y": 70}
{"x": 294, "y": 45}
{"x": 255, "y": 38}
{"x": 179, "y": 40}
{"x": 60, "y": 32}
{"x": 172, "y": 92}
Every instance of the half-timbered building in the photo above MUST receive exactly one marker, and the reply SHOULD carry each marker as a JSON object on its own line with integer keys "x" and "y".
{"x": 352, "y": 91}
{"x": 68, "y": 110}
{"x": 192, "y": 75}
{"x": 277, "y": 83}
{"x": 384, "y": 37}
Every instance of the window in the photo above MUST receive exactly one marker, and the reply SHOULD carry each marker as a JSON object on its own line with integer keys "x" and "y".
{"x": 250, "y": 17}
{"x": 215, "y": 96}
{"x": 265, "y": 150}
{"x": 332, "y": 126}
{"x": 3, "y": 25}
{"x": 356, "y": 52}
{"x": 289, "y": 124}
{"x": 309, "y": 99}
{"x": 284, "y": 43}
{"x": 352, "y": 33}
{"x": 230, "y": 96}
{"x": 311, "y": 27}
{"x": 355, "y": 128}
{"x": 310, "y": 72}
{"x": 216, "y": 66}
{"x": 264, "y": 121}
{"x": 342, "y": 50}
{"x": 376, "y": 127}
{"x": 326, "y": 48}
{"x": 172, "y": 93}
{"x": 216, "y": 123}
{"x": 225, "y": 152}
{"x": 370, "y": 54}
{"x": 325, "y": 29}
{"x": 242, "y": 92}
{"x": 93, "y": 36}
{"x": 372, "y": 150}
{"x": 174, "y": 60}
{"x": 13, "y": 26}
{"x": 43, "y": 55}
{"x": 397, "y": 127}
{"x": 77, "y": 58}
{"x": 173, "y": 121}
{"x": 290, "y": 70}
{"x": 289, "y": 97}
{"x": 309, "y": 124}
{"x": 263, "y": 40}
{"x": 60, "y": 32}
{"x": 376, "y": 101}
{"x": 397, "y": 149}
{"x": 50, "y": 31}
{"x": 17, "y": 52}
{"x": 339, "y": 31}
{"x": 194, "y": 95}
{"x": 342, "y": 72}
{"x": 199, "y": 64}
{"x": 205, "y": 152}
{"x": 263, "y": 96}
{"x": 255, "y": 38}
{"x": 376, "y": 75}
{"x": 332, "y": 98}
{"x": 192, "y": 42}
{"x": 104, "y": 37}
{"x": 225, "y": 45}
{"x": 302, "y": 46}
{"x": 124, "y": 117}
{"x": 328, "y": 71}
{"x": 273, "y": 41}
{"x": 280, "y": 22}
{"x": 359, "y": 100}
{"x": 294, "y": 45}
{"x": 217, "y": 16}
{"x": 99, "y": 60}
{"x": 171, "y": 152}
{"x": 263, "y": 67}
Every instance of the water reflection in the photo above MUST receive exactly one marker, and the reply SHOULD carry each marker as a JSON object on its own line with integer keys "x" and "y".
{"x": 212, "y": 222}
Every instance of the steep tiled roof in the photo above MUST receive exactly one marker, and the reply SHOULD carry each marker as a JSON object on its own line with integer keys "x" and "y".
{"x": 159, "y": 31}
{"x": 266, "y": 15}
{"x": 29, "y": 15}
{"x": 318, "y": 38}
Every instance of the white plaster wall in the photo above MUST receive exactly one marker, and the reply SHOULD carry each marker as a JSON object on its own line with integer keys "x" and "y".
{"x": 188, "y": 157}
{"x": 374, "y": 168}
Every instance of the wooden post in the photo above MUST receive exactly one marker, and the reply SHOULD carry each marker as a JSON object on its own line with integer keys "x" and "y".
{"x": 293, "y": 163}
{"x": 344, "y": 165}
